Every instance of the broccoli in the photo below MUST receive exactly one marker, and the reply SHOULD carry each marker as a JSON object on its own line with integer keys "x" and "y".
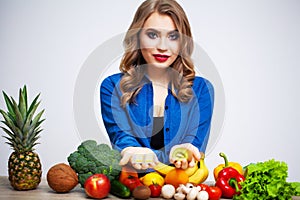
{"x": 92, "y": 158}
{"x": 83, "y": 177}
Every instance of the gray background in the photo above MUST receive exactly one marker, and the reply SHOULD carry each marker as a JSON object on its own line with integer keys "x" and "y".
{"x": 254, "y": 45}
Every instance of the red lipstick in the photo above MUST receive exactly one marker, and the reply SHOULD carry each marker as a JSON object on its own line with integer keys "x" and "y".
{"x": 161, "y": 57}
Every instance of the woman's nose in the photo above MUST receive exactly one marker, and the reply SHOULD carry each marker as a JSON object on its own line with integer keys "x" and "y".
{"x": 162, "y": 44}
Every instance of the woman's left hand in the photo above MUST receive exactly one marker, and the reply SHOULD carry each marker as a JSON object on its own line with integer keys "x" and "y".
{"x": 184, "y": 161}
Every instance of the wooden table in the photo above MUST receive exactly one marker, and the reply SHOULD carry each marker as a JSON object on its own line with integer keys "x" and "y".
{"x": 44, "y": 192}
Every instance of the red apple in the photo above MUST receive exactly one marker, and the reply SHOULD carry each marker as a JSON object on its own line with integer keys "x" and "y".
{"x": 97, "y": 186}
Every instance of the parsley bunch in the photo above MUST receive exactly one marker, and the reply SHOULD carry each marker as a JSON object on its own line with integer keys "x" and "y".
{"x": 267, "y": 180}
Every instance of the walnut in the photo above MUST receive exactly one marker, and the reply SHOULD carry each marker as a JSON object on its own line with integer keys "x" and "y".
{"x": 62, "y": 178}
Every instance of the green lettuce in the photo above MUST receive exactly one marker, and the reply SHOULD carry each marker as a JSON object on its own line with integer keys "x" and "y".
{"x": 267, "y": 180}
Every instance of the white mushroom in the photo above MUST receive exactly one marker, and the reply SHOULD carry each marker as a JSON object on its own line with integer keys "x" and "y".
{"x": 179, "y": 196}
{"x": 187, "y": 188}
{"x": 168, "y": 191}
{"x": 192, "y": 194}
{"x": 198, "y": 188}
{"x": 202, "y": 195}
{"x": 180, "y": 188}
{"x": 189, "y": 185}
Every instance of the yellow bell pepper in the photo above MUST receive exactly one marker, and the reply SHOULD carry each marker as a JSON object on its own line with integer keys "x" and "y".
{"x": 234, "y": 165}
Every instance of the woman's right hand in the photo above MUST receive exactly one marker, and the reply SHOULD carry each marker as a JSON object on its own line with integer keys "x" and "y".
{"x": 139, "y": 157}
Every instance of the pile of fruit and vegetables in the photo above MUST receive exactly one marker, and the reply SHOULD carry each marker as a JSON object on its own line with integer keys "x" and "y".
{"x": 99, "y": 173}
{"x": 96, "y": 168}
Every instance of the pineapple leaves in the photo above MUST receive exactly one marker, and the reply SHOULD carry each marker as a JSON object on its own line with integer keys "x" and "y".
{"x": 33, "y": 104}
{"x": 37, "y": 118}
{"x": 9, "y": 106}
{"x": 33, "y": 138}
{"x": 13, "y": 140}
{"x": 23, "y": 102}
{"x": 24, "y": 92}
{"x": 19, "y": 118}
{"x": 29, "y": 122}
{"x": 9, "y": 123}
{"x": 22, "y": 127}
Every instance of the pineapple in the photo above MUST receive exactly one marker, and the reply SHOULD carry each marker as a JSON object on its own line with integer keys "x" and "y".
{"x": 22, "y": 132}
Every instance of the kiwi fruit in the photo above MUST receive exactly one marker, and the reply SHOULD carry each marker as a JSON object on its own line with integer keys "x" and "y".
{"x": 180, "y": 154}
{"x": 141, "y": 192}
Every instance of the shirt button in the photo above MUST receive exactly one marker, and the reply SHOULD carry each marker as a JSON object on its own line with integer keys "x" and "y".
{"x": 166, "y": 107}
{"x": 167, "y": 129}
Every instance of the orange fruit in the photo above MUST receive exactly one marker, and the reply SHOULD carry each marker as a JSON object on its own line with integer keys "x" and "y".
{"x": 176, "y": 177}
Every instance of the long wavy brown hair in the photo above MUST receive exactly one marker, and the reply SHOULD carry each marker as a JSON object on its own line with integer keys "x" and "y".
{"x": 132, "y": 60}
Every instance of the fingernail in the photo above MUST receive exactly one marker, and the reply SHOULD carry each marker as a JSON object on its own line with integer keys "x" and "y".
{"x": 148, "y": 158}
{"x": 138, "y": 158}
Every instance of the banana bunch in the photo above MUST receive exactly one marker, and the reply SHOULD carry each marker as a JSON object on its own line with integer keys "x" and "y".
{"x": 196, "y": 174}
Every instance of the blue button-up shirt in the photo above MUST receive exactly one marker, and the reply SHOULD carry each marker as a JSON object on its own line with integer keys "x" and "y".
{"x": 132, "y": 125}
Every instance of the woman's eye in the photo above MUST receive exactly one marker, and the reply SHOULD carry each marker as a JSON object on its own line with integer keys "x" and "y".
{"x": 173, "y": 36}
{"x": 152, "y": 35}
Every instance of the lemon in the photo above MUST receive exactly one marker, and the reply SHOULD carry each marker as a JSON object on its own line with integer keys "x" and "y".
{"x": 152, "y": 178}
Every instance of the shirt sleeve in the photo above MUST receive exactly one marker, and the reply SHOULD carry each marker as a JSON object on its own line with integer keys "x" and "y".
{"x": 201, "y": 115}
{"x": 115, "y": 116}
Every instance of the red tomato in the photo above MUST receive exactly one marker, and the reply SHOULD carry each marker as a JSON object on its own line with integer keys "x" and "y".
{"x": 155, "y": 190}
{"x": 214, "y": 193}
{"x": 203, "y": 186}
{"x": 127, "y": 171}
{"x": 97, "y": 186}
{"x": 131, "y": 182}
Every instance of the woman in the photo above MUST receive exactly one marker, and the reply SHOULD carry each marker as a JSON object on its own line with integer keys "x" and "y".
{"x": 157, "y": 104}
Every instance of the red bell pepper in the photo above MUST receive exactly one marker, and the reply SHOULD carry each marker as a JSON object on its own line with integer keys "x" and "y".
{"x": 229, "y": 181}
